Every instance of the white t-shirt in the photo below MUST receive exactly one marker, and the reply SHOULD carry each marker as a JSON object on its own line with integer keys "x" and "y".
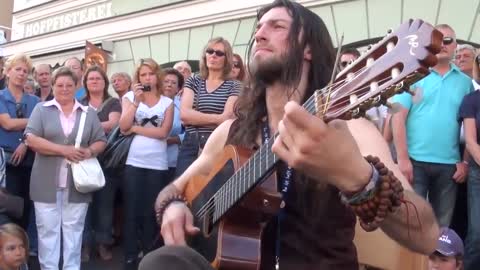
{"x": 145, "y": 152}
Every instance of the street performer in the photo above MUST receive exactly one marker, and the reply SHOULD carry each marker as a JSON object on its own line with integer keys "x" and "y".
{"x": 291, "y": 56}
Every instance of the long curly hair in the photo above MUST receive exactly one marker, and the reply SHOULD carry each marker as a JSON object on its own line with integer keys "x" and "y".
{"x": 251, "y": 106}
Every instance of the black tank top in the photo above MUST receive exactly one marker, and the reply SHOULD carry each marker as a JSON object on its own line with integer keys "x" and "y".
{"x": 317, "y": 230}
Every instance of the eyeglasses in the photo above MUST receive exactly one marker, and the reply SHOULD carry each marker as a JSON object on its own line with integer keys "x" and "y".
{"x": 448, "y": 40}
{"x": 19, "y": 110}
{"x": 94, "y": 79}
{"x": 216, "y": 52}
{"x": 236, "y": 65}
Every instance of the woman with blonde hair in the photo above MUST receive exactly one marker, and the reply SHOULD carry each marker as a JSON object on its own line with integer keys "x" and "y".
{"x": 208, "y": 99}
{"x": 13, "y": 247}
{"x": 148, "y": 115}
{"x": 16, "y": 106}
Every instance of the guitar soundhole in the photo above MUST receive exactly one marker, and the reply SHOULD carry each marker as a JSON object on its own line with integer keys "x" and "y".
{"x": 207, "y": 223}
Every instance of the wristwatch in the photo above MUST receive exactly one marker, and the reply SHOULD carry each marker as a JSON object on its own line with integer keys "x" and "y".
{"x": 23, "y": 139}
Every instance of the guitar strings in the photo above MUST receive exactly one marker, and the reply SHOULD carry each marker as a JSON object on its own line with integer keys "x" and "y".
{"x": 345, "y": 102}
{"x": 222, "y": 191}
{"x": 222, "y": 195}
{"x": 204, "y": 208}
{"x": 225, "y": 191}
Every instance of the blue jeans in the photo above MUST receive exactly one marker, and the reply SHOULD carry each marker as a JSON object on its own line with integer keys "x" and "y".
{"x": 141, "y": 187}
{"x": 435, "y": 182}
{"x": 188, "y": 151}
{"x": 472, "y": 243}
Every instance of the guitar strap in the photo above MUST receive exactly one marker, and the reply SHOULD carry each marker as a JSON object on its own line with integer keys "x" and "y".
{"x": 285, "y": 180}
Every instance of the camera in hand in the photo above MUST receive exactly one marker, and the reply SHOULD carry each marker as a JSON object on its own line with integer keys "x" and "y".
{"x": 147, "y": 88}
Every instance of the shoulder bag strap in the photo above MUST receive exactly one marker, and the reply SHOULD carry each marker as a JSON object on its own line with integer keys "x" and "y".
{"x": 81, "y": 126}
{"x": 108, "y": 100}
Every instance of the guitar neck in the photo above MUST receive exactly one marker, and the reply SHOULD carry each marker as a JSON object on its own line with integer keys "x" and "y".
{"x": 260, "y": 165}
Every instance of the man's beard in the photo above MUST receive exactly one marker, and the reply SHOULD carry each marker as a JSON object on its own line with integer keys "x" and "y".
{"x": 268, "y": 71}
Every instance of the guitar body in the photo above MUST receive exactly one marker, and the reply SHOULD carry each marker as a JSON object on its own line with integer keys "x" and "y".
{"x": 235, "y": 242}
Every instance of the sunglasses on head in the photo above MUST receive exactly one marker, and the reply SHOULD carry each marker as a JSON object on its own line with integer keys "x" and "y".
{"x": 448, "y": 40}
{"x": 19, "y": 110}
{"x": 216, "y": 52}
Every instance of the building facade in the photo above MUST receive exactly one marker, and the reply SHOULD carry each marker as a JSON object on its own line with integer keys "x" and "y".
{"x": 171, "y": 30}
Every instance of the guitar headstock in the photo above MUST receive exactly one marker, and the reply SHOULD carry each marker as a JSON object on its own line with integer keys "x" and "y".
{"x": 389, "y": 67}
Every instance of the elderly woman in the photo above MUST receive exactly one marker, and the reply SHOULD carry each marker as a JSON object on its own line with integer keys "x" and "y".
{"x": 238, "y": 68}
{"x": 148, "y": 114}
{"x": 15, "y": 109}
{"x": 208, "y": 99}
{"x": 172, "y": 84}
{"x": 470, "y": 113}
{"x": 59, "y": 208}
{"x": 121, "y": 82}
{"x": 98, "y": 227}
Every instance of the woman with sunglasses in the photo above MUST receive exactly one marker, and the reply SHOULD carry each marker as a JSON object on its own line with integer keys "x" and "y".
{"x": 208, "y": 99}
{"x": 470, "y": 113}
{"x": 15, "y": 109}
{"x": 238, "y": 69}
{"x": 147, "y": 113}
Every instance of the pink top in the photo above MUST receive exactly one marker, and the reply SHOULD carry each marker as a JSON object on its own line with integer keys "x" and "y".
{"x": 67, "y": 122}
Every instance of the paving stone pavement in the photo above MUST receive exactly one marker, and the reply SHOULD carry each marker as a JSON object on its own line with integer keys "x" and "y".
{"x": 95, "y": 262}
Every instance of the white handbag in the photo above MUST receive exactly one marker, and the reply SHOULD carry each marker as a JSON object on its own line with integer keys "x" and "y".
{"x": 87, "y": 174}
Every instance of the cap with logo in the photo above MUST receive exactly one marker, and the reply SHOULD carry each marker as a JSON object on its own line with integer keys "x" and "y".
{"x": 449, "y": 243}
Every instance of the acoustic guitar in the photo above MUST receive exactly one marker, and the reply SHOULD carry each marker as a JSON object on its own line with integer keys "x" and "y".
{"x": 234, "y": 203}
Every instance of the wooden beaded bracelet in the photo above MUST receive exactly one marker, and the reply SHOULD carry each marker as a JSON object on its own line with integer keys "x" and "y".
{"x": 165, "y": 203}
{"x": 167, "y": 196}
{"x": 385, "y": 198}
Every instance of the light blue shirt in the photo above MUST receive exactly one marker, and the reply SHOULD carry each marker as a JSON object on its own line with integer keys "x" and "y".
{"x": 9, "y": 140}
{"x": 177, "y": 130}
{"x": 432, "y": 125}
{"x": 80, "y": 93}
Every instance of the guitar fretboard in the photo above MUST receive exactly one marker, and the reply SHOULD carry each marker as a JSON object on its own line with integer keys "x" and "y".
{"x": 248, "y": 176}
